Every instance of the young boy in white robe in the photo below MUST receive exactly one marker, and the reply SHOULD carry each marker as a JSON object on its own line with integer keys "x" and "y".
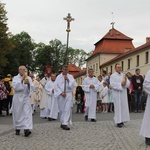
{"x": 105, "y": 98}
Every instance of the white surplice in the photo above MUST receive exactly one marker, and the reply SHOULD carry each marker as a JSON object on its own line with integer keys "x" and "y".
{"x": 64, "y": 104}
{"x": 52, "y": 105}
{"x": 34, "y": 95}
{"x": 21, "y": 106}
{"x": 43, "y": 111}
{"x": 105, "y": 98}
{"x": 119, "y": 96}
{"x": 145, "y": 127}
{"x": 91, "y": 96}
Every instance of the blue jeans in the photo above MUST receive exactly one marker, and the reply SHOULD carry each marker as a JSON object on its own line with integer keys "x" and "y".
{"x": 137, "y": 99}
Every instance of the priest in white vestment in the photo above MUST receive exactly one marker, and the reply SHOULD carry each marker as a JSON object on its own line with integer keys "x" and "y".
{"x": 52, "y": 105}
{"x": 21, "y": 106}
{"x": 90, "y": 87}
{"x": 63, "y": 88}
{"x": 43, "y": 100}
{"x": 119, "y": 84}
{"x": 34, "y": 95}
{"x": 145, "y": 128}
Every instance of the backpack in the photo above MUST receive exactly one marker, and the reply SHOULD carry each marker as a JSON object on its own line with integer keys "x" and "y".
{"x": 7, "y": 85}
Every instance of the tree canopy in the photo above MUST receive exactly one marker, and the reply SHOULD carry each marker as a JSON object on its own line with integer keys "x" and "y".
{"x": 5, "y": 42}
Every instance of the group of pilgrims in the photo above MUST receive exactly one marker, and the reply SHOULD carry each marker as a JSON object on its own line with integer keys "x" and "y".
{"x": 55, "y": 96}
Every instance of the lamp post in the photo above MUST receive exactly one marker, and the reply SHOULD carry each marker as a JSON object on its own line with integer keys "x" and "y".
{"x": 68, "y": 19}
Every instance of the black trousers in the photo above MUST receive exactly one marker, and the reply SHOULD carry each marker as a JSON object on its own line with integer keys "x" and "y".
{"x": 10, "y": 97}
{"x": 6, "y": 105}
{"x": 1, "y": 106}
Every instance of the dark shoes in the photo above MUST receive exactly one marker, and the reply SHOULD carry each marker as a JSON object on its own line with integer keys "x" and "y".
{"x": 27, "y": 132}
{"x": 86, "y": 118}
{"x": 64, "y": 127}
{"x": 120, "y": 125}
{"x": 17, "y": 132}
{"x": 51, "y": 119}
{"x": 1, "y": 115}
{"x": 147, "y": 141}
{"x": 93, "y": 120}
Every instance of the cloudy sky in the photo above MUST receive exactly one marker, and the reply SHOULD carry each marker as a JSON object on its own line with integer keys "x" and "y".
{"x": 43, "y": 20}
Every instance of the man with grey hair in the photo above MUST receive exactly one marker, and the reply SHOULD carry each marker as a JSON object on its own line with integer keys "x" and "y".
{"x": 90, "y": 86}
{"x": 21, "y": 107}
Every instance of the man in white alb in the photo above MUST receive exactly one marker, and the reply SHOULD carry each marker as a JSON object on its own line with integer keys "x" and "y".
{"x": 119, "y": 84}
{"x": 43, "y": 100}
{"x": 64, "y": 85}
{"x": 21, "y": 106}
{"x": 90, "y": 86}
{"x": 52, "y": 105}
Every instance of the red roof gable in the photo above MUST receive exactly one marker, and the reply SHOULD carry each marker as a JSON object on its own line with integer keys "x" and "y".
{"x": 114, "y": 42}
{"x": 115, "y": 35}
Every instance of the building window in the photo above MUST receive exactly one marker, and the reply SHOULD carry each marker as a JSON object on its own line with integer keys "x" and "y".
{"x": 146, "y": 57}
{"x": 122, "y": 64}
{"x": 96, "y": 66}
{"x": 128, "y": 63}
{"x": 111, "y": 69}
{"x": 106, "y": 69}
{"x": 137, "y": 60}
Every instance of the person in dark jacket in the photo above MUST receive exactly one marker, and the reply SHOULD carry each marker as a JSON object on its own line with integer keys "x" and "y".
{"x": 137, "y": 81}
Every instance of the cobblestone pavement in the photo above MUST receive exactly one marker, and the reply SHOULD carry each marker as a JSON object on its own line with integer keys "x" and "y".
{"x": 100, "y": 135}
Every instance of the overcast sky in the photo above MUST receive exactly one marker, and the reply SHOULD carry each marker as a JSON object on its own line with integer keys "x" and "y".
{"x": 43, "y": 20}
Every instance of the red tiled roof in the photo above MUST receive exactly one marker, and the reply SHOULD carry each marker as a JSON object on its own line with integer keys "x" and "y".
{"x": 114, "y": 42}
{"x": 73, "y": 67}
{"x": 76, "y": 71}
{"x": 83, "y": 72}
{"x": 127, "y": 53}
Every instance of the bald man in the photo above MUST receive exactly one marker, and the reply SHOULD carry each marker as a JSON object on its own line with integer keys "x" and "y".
{"x": 21, "y": 106}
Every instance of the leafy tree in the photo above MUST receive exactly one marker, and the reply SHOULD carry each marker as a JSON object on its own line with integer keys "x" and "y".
{"x": 22, "y": 53}
{"x": 5, "y": 42}
{"x": 51, "y": 54}
{"x": 77, "y": 56}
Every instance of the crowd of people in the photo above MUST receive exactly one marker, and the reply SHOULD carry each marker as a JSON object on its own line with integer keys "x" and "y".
{"x": 56, "y": 95}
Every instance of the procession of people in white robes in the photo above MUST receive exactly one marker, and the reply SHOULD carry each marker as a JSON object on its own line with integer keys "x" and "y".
{"x": 56, "y": 96}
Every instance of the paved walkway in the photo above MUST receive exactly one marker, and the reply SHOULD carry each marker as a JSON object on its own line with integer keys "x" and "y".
{"x": 102, "y": 135}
